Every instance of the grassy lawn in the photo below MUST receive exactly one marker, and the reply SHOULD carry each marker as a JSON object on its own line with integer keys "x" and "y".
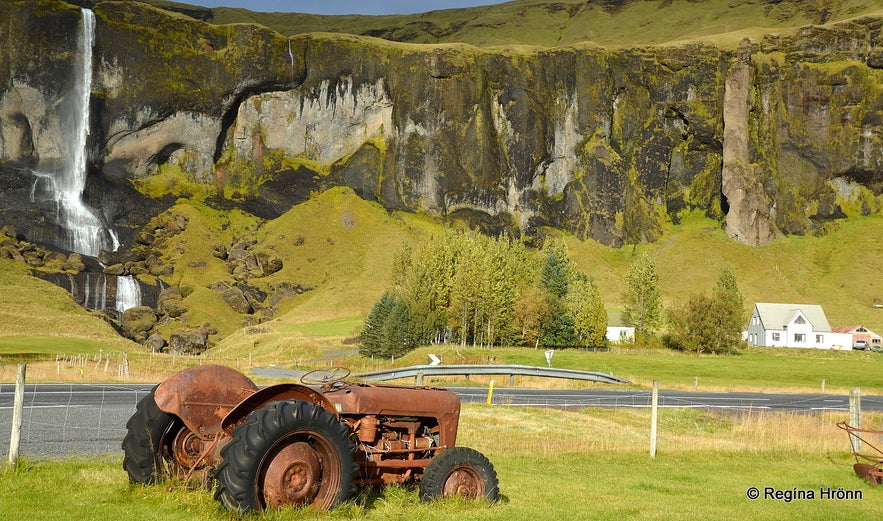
{"x": 42, "y": 346}
{"x": 552, "y": 465}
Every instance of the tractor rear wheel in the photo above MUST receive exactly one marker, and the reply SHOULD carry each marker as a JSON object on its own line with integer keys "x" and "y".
{"x": 150, "y": 435}
{"x": 288, "y": 453}
{"x": 460, "y": 472}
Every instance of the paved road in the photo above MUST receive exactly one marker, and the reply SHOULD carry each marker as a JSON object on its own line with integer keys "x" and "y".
{"x": 66, "y": 419}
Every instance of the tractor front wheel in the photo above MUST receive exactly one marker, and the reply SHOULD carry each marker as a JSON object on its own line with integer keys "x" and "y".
{"x": 460, "y": 472}
{"x": 288, "y": 453}
{"x": 149, "y": 456}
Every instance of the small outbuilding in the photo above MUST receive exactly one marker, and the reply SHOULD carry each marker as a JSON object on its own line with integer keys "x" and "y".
{"x": 793, "y": 325}
{"x": 617, "y": 331}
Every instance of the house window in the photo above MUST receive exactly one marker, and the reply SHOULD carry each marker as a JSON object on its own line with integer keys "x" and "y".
{"x": 820, "y": 339}
{"x": 776, "y": 337}
{"x": 799, "y": 337}
{"x": 799, "y": 320}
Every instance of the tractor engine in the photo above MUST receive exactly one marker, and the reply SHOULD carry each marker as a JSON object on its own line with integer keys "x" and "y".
{"x": 397, "y": 430}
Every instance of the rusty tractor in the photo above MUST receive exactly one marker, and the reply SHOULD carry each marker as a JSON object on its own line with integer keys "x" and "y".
{"x": 313, "y": 443}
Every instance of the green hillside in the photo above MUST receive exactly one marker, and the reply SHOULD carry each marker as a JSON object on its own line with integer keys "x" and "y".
{"x": 343, "y": 248}
{"x": 40, "y": 318}
{"x": 565, "y": 22}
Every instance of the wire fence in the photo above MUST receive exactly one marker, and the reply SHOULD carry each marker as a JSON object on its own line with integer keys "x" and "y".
{"x": 112, "y": 366}
{"x": 62, "y": 417}
{"x": 62, "y": 420}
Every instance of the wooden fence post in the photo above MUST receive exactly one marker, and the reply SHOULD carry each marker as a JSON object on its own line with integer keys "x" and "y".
{"x": 855, "y": 416}
{"x": 18, "y": 406}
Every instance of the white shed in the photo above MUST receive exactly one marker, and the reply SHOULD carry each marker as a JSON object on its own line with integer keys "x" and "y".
{"x": 617, "y": 330}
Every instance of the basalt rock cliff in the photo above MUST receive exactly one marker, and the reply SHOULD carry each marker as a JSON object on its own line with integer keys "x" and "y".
{"x": 777, "y": 136}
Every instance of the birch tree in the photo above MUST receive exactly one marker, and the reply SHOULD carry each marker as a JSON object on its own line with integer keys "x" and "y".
{"x": 643, "y": 302}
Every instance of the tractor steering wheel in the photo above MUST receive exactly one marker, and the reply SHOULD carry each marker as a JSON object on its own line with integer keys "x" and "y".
{"x": 329, "y": 376}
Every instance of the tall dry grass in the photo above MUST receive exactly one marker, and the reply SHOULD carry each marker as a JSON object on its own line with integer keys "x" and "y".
{"x": 501, "y": 429}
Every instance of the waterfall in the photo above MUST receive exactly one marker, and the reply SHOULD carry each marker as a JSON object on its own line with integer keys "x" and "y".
{"x": 128, "y": 293}
{"x": 85, "y": 232}
{"x": 291, "y": 57}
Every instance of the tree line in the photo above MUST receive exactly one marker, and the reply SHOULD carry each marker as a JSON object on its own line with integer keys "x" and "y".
{"x": 471, "y": 289}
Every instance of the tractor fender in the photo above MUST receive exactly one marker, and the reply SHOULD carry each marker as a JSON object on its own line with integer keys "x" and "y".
{"x": 274, "y": 393}
{"x": 202, "y": 396}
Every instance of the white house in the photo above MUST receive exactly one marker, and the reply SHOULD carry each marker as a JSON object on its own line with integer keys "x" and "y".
{"x": 793, "y": 325}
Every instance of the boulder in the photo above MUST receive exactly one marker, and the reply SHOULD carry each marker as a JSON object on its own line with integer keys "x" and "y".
{"x": 191, "y": 341}
{"x": 138, "y": 321}
{"x": 155, "y": 342}
{"x": 236, "y": 299}
{"x": 115, "y": 269}
{"x": 170, "y": 303}
{"x": 188, "y": 341}
{"x": 74, "y": 263}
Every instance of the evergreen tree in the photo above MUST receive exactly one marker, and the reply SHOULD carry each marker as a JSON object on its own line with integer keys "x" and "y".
{"x": 643, "y": 303}
{"x": 373, "y": 332}
{"x": 553, "y": 275}
{"x": 486, "y": 291}
{"x": 557, "y": 325}
{"x": 396, "y": 331}
{"x": 388, "y": 330}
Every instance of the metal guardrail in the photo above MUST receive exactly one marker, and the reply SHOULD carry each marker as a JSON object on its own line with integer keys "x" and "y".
{"x": 419, "y": 371}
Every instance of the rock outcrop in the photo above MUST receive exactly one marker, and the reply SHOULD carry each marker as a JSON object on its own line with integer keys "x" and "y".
{"x": 749, "y": 218}
{"x": 777, "y": 137}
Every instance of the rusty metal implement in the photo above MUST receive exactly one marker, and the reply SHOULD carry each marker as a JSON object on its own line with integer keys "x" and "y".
{"x": 314, "y": 443}
{"x": 868, "y": 465}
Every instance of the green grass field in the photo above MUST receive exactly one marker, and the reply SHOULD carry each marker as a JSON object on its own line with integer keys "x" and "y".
{"x": 753, "y": 369}
{"x": 552, "y": 465}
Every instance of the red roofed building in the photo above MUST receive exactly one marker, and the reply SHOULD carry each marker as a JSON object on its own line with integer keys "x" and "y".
{"x": 861, "y": 333}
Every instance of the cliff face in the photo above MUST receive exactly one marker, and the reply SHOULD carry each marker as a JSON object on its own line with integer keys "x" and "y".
{"x": 609, "y": 144}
